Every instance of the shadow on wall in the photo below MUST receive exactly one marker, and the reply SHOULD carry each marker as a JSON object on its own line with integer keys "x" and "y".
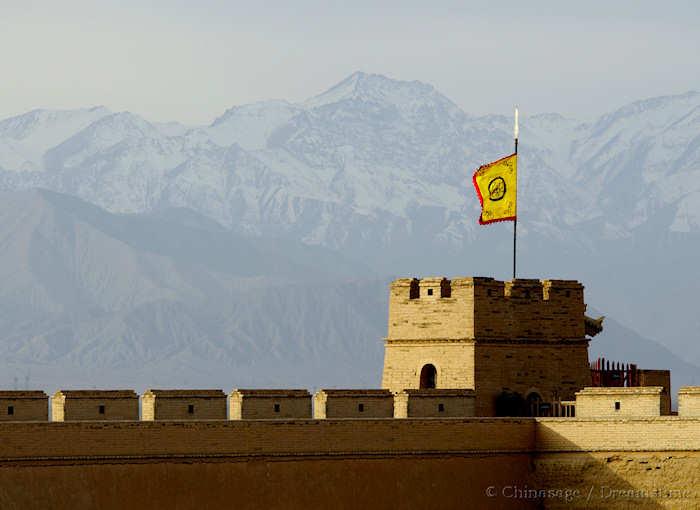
{"x": 571, "y": 478}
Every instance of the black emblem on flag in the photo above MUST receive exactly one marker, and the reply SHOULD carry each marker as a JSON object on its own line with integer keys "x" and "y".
{"x": 497, "y": 189}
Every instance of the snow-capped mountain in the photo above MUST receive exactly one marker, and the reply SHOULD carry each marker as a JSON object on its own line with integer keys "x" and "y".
{"x": 380, "y": 170}
{"x": 366, "y": 160}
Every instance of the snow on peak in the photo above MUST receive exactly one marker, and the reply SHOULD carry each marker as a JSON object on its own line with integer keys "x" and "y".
{"x": 251, "y": 125}
{"x": 359, "y": 86}
{"x": 25, "y": 138}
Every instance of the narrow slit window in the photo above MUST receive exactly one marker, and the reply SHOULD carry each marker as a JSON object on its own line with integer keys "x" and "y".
{"x": 101, "y": 409}
{"x": 445, "y": 288}
{"x": 414, "y": 290}
{"x": 430, "y": 292}
{"x": 617, "y": 406}
{"x": 441, "y": 408}
{"x": 277, "y": 408}
{"x": 190, "y": 409}
{"x": 361, "y": 408}
{"x": 10, "y": 410}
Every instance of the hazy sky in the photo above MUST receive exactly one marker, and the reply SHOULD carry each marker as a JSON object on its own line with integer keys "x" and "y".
{"x": 190, "y": 60}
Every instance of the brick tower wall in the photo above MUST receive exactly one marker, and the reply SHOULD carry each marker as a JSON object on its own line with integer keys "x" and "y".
{"x": 488, "y": 335}
{"x": 556, "y": 372}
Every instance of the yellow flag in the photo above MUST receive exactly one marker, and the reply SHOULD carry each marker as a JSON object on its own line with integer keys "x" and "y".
{"x": 496, "y": 186}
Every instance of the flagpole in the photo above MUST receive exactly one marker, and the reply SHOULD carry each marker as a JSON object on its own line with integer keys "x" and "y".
{"x": 515, "y": 221}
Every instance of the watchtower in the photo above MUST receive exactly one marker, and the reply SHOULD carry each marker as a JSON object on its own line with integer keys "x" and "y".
{"x": 519, "y": 344}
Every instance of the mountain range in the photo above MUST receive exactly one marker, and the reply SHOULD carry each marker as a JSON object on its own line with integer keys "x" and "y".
{"x": 279, "y": 202}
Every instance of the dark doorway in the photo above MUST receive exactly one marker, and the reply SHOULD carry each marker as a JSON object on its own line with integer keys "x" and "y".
{"x": 510, "y": 403}
{"x": 533, "y": 403}
{"x": 428, "y": 376}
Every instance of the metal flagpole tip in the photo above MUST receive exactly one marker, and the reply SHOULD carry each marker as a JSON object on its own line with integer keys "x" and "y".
{"x": 515, "y": 126}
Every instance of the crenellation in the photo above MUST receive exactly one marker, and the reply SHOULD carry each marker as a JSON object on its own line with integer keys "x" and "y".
{"x": 23, "y": 405}
{"x": 482, "y": 337}
{"x": 188, "y": 404}
{"x": 98, "y": 405}
{"x": 269, "y": 404}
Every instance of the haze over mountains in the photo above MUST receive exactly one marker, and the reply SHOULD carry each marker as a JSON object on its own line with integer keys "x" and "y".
{"x": 260, "y": 246}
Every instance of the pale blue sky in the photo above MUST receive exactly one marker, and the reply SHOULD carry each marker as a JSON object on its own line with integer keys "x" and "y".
{"x": 189, "y": 61}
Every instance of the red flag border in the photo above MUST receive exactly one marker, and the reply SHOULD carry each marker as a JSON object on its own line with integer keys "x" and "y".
{"x": 481, "y": 199}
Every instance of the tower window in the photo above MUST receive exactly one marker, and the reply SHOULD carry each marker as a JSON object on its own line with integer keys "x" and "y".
{"x": 430, "y": 292}
{"x": 277, "y": 408}
{"x": 441, "y": 408}
{"x": 617, "y": 406}
{"x": 428, "y": 376}
{"x": 190, "y": 408}
{"x": 10, "y": 410}
{"x": 101, "y": 409}
{"x": 414, "y": 291}
{"x": 445, "y": 288}
{"x": 361, "y": 408}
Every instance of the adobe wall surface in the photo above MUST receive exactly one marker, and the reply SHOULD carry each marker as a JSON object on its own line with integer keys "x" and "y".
{"x": 648, "y": 377}
{"x": 689, "y": 402}
{"x": 24, "y": 408}
{"x": 383, "y": 463}
{"x": 487, "y": 308}
{"x": 648, "y": 463}
{"x": 261, "y": 464}
{"x": 554, "y": 371}
{"x": 246, "y": 407}
{"x": 663, "y": 433}
{"x": 417, "y": 482}
{"x": 430, "y": 317}
{"x": 359, "y": 406}
{"x": 433, "y": 406}
{"x": 88, "y": 409}
{"x": 403, "y": 362}
{"x": 532, "y": 309}
{"x": 619, "y": 402}
{"x": 177, "y": 409}
{"x": 489, "y": 335}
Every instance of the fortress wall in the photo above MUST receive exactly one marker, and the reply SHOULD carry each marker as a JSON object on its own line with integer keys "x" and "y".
{"x": 554, "y": 371}
{"x": 635, "y": 463}
{"x": 689, "y": 401}
{"x": 619, "y": 402}
{"x": 661, "y": 378}
{"x": 430, "y": 316}
{"x": 177, "y": 404}
{"x": 382, "y": 463}
{"x": 88, "y": 409}
{"x": 24, "y": 406}
{"x": 664, "y": 433}
{"x": 454, "y": 362}
{"x": 486, "y": 308}
{"x": 391, "y": 481}
{"x": 28, "y": 441}
{"x": 529, "y": 309}
{"x": 178, "y": 409}
{"x": 269, "y": 404}
{"x": 619, "y": 479}
{"x": 344, "y": 464}
{"x": 103, "y": 405}
{"x": 354, "y": 404}
{"x": 437, "y": 403}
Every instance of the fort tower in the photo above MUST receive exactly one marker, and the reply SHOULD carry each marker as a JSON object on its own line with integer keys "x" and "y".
{"x": 519, "y": 344}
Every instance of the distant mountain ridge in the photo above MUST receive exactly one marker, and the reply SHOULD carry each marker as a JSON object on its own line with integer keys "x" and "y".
{"x": 92, "y": 298}
{"x": 373, "y": 152}
{"x": 379, "y": 170}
